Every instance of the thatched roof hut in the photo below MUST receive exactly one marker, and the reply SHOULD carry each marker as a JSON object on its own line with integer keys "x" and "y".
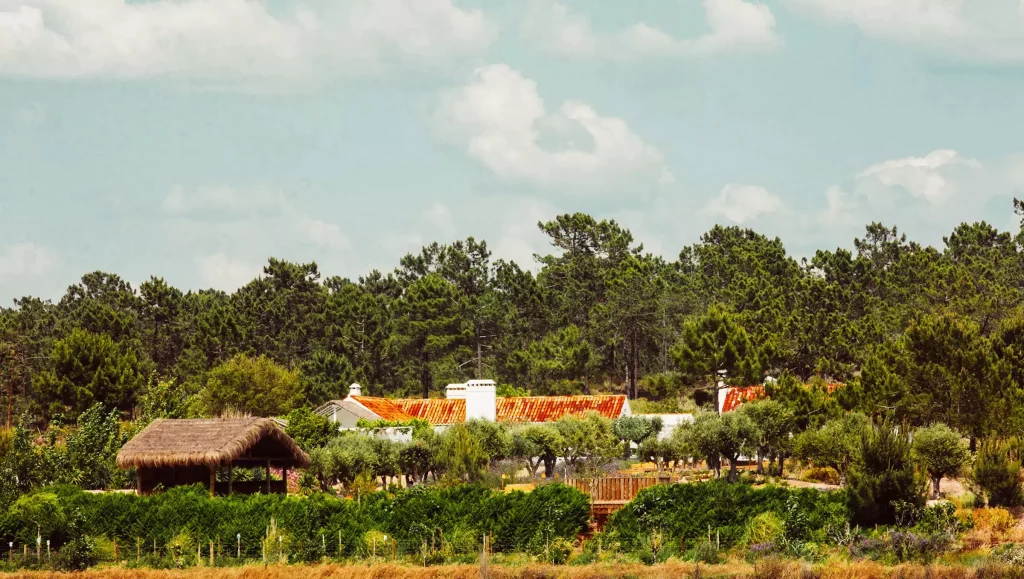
{"x": 175, "y": 452}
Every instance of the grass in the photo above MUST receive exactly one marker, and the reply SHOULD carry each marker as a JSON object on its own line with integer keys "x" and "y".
{"x": 765, "y": 569}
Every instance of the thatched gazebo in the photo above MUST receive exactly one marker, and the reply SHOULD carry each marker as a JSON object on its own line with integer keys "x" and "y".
{"x": 181, "y": 452}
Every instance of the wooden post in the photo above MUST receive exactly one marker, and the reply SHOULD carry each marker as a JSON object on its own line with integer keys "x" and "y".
{"x": 213, "y": 479}
{"x": 211, "y": 553}
{"x": 117, "y": 559}
{"x": 268, "y": 476}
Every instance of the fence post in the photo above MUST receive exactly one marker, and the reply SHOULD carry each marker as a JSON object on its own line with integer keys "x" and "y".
{"x": 117, "y": 558}
{"x": 199, "y": 555}
{"x": 238, "y": 538}
{"x": 339, "y": 544}
{"x": 394, "y": 546}
{"x": 211, "y": 553}
{"x": 47, "y": 550}
{"x": 138, "y": 550}
{"x": 39, "y": 548}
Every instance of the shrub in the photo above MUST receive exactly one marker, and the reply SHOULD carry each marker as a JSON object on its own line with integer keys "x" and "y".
{"x": 186, "y": 516}
{"x": 822, "y": 474}
{"x": 997, "y": 476}
{"x": 883, "y": 475}
{"x": 687, "y": 511}
{"x": 765, "y": 528}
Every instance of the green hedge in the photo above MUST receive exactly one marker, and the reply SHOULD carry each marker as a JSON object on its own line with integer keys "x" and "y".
{"x": 516, "y": 521}
{"x": 689, "y": 510}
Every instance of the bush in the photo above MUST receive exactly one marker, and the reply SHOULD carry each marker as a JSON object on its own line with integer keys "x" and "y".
{"x": 822, "y": 474}
{"x": 883, "y": 475}
{"x": 687, "y": 511}
{"x": 187, "y": 515}
{"x": 997, "y": 476}
{"x": 765, "y": 528}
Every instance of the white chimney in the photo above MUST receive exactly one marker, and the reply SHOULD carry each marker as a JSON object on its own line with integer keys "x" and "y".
{"x": 481, "y": 400}
{"x": 455, "y": 392}
{"x": 355, "y": 390}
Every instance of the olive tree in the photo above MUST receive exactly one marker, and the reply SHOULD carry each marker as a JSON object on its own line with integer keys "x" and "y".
{"x": 940, "y": 451}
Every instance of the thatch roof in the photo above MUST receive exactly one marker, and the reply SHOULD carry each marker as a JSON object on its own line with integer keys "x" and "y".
{"x": 208, "y": 442}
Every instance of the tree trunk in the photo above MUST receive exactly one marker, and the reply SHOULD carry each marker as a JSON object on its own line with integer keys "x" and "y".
{"x": 782, "y": 463}
{"x": 935, "y": 487}
{"x": 479, "y": 361}
{"x": 733, "y": 471}
{"x": 760, "y": 463}
{"x": 425, "y": 374}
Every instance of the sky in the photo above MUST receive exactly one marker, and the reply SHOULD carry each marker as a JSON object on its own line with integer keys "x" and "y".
{"x": 193, "y": 139}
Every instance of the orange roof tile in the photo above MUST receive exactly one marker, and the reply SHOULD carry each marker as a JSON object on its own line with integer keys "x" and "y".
{"x": 737, "y": 396}
{"x": 386, "y": 409}
{"x": 551, "y": 408}
{"x": 436, "y": 411}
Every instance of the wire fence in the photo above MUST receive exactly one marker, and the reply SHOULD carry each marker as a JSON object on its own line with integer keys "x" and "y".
{"x": 233, "y": 552}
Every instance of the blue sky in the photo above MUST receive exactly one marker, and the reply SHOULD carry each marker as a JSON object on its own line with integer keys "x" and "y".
{"x": 192, "y": 139}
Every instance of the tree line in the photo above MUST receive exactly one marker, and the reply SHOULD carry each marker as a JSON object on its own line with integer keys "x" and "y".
{"x": 924, "y": 333}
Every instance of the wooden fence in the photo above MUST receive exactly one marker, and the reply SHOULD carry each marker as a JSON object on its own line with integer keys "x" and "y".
{"x": 610, "y": 494}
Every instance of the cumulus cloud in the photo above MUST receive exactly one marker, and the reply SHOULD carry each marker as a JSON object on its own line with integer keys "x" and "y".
{"x": 735, "y": 26}
{"x": 244, "y": 221}
{"x": 983, "y": 30}
{"x": 743, "y": 203}
{"x": 238, "y": 43}
{"x": 925, "y": 195}
{"x": 501, "y": 120}
{"x": 219, "y": 271}
{"x": 25, "y": 260}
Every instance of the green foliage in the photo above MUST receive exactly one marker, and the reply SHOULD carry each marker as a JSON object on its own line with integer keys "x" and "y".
{"x": 635, "y": 429}
{"x": 688, "y": 510}
{"x": 837, "y": 444}
{"x": 997, "y": 476}
{"x": 940, "y": 451}
{"x": 86, "y": 369}
{"x": 186, "y": 516}
{"x": 258, "y": 386}
{"x": 717, "y": 342}
{"x": 883, "y": 475}
{"x": 586, "y": 442}
{"x": 728, "y": 436}
{"x": 462, "y": 454}
{"x": 310, "y": 430}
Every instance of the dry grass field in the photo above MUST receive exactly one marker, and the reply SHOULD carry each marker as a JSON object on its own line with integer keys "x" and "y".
{"x": 766, "y": 570}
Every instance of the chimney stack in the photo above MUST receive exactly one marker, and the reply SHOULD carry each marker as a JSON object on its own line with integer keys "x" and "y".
{"x": 355, "y": 390}
{"x": 455, "y": 392}
{"x": 481, "y": 400}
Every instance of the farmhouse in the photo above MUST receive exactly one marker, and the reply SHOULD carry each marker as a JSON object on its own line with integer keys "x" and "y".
{"x": 476, "y": 399}
{"x": 180, "y": 452}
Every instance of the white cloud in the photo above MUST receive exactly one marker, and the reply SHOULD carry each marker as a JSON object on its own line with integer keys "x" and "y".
{"x": 926, "y": 196}
{"x": 923, "y": 177}
{"x": 743, "y": 203}
{"x": 735, "y": 26}
{"x": 244, "y": 218}
{"x": 501, "y": 120}
{"x": 218, "y": 271}
{"x": 232, "y": 43}
{"x": 984, "y": 30}
{"x": 24, "y": 260}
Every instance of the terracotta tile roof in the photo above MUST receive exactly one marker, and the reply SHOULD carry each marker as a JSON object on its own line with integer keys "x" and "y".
{"x": 551, "y": 408}
{"x": 386, "y": 409}
{"x": 737, "y": 396}
{"x": 436, "y": 411}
